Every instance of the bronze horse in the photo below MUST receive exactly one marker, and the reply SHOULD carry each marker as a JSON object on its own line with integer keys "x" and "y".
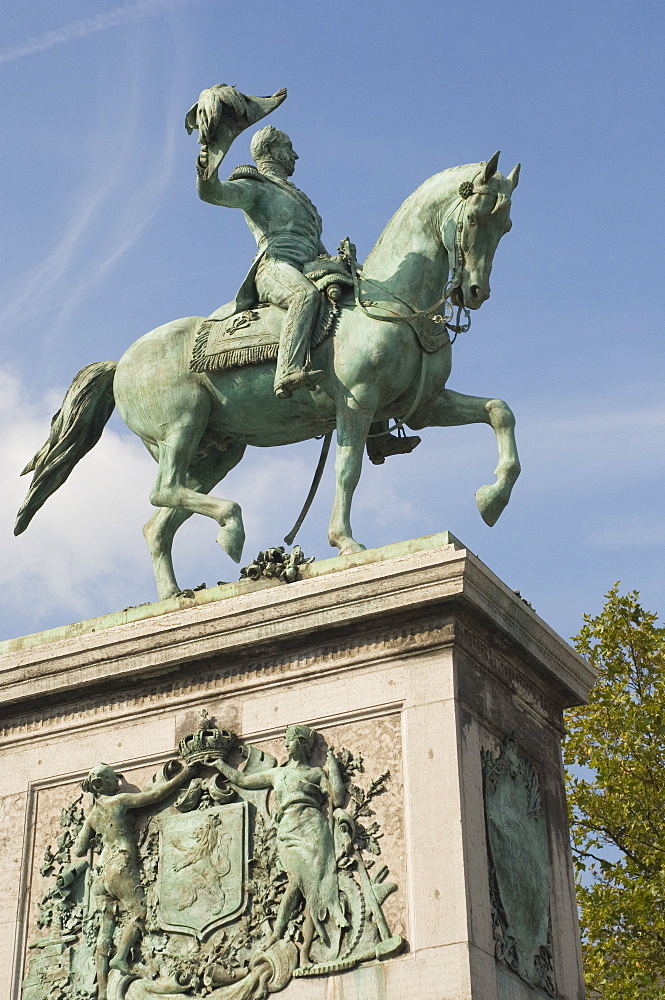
{"x": 197, "y": 425}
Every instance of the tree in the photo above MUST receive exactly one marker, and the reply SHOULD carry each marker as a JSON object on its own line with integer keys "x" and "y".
{"x": 616, "y": 745}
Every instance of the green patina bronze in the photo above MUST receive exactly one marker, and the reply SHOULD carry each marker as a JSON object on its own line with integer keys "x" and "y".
{"x": 119, "y": 883}
{"x": 214, "y": 892}
{"x": 312, "y": 343}
{"x": 517, "y": 841}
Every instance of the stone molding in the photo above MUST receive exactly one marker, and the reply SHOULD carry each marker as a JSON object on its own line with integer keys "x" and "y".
{"x": 309, "y": 663}
{"x": 437, "y": 579}
{"x": 261, "y": 673}
{"x": 514, "y": 679}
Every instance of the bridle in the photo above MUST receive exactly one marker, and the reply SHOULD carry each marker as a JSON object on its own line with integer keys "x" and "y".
{"x": 452, "y": 230}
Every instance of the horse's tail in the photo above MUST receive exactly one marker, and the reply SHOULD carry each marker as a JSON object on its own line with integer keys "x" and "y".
{"x": 75, "y": 429}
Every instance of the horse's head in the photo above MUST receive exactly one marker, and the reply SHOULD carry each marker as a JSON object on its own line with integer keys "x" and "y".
{"x": 473, "y": 228}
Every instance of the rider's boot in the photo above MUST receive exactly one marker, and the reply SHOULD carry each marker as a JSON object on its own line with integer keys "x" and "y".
{"x": 382, "y": 447}
{"x": 300, "y": 378}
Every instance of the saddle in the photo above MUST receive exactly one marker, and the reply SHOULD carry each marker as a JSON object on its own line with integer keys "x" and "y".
{"x": 252, "y": 337}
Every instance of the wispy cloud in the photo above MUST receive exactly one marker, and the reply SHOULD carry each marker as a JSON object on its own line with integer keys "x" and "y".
{"x": 107, "y": 215}
{"x": 594, "y": 442}
{"x": 133, "y": 215}
{"x": 126, "y": 14}
{"x": 85, "y": 544}
{"x": 35, "y": 288}
{"x": 628, "y": 530}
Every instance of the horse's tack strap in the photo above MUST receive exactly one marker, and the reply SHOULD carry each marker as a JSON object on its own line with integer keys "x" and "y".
{"x": 451, "y": 243}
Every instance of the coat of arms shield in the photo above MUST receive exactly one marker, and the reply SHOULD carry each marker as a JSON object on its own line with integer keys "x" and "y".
{"x": 519, "y": 857}
{"x": 203, "y": 868}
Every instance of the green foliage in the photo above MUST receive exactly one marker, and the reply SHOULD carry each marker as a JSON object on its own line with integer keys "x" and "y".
{"x": 367, "y": 834}
{"x": 617, "y": 802}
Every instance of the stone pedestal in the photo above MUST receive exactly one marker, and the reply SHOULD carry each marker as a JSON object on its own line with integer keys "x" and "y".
{"x": 414, "y": 655}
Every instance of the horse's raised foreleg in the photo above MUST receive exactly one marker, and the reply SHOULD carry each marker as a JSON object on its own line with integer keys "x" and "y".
{"x": 352, "y": 429}
{"x": 454, "y": 408}
{"x": 162, "y": 526}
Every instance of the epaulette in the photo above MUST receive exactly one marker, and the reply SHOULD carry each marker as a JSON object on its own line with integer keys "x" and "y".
{"x": 245, "y": 170}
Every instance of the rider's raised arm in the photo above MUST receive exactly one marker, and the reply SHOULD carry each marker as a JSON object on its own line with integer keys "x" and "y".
{"x": 232, "y": 194}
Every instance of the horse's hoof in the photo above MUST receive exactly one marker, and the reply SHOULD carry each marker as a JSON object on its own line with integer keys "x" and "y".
{"x": 231, "y": 537}
{"x": 490, "y": 504}
{"x": 350, "y": 548}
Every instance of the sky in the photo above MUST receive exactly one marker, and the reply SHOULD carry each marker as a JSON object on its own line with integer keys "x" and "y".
{"x": 103, "y": 238}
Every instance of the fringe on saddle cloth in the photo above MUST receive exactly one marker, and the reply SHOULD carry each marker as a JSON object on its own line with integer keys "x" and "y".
{"x": 249, "y": 337}
{"x": 252, "y": 336}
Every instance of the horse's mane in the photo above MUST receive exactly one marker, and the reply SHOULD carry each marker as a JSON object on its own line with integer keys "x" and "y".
{"x": 428, "y": 191}
{"x": 450, "y": 177}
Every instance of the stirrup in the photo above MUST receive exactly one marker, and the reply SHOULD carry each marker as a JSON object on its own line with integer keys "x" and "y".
{"x": 378, "y": 449}
{"x": 301, "y": 378}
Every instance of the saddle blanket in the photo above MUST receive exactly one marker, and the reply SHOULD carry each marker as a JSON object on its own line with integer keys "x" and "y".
{"x": 250, "y": 337}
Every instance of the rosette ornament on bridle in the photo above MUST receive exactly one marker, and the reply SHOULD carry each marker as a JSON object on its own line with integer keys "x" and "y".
{"x": 453, "y": 228}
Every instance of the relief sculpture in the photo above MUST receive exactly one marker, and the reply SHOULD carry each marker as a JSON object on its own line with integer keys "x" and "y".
{"x": 227, "y": 876}
{"x": 519, "y": 866}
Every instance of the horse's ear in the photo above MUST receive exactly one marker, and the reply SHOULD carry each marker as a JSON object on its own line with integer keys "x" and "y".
{"x": 514, "y": 176}
{"x": 490, "y": 167}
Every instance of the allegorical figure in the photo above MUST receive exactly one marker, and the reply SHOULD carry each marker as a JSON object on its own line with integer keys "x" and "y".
{"x": 287, "y": 229}
{"x": 305, "y": 843}
{"x": 119, "y": 879}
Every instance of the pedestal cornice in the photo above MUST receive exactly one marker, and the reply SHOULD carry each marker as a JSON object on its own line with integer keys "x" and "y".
{"x": 377, "y": 591}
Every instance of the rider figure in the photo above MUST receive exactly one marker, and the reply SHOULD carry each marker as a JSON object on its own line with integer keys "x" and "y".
{"x": 287, "y": 229}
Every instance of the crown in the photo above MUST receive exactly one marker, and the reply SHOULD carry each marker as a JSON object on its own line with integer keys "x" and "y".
{"x": 207, "y": 742}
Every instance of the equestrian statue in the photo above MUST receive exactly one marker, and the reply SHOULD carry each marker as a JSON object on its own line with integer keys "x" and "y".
{"x": 312, "y": 343}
